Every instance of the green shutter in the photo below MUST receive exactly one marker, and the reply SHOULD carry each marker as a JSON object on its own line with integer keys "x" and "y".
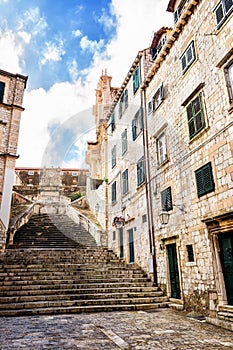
{"x": 136, "y": 80}
{"x": 204, "y": 180}
{"x": 166, "y": 199}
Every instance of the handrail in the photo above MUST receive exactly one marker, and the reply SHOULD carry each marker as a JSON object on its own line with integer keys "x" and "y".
{"x": 18, "y": 221}
{"x": 97, "y": 233}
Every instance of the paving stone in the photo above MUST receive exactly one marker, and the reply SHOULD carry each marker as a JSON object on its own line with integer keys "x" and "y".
{"x": 163, "y": 329}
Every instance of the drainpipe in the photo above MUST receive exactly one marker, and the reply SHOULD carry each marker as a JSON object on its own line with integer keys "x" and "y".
{"x": 148, "y": 188}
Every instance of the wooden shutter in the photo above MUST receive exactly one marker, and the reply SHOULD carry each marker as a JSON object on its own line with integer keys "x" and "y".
{"x": 204, "y": 180}
{"x": 166, "y": 199}
{"x": 134, "y": 129}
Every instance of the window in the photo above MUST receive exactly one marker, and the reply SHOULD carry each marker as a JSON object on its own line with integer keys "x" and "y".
{"x": 2, "y": 88}
{"x": 204, "y": 180}
{"x": 188, "y": 57}
{"x": 137, "y": 124}
{"x": 161, "y": 148}
{"x": 30, "y": 172}
{"x": 157, "y": 99}
{"x": 223, "y": 11}
{"x": 179, "y": 9}
{"x": 229, "y": 79}
{"x": 123, "y": 103}
{"x": 190, "y": 252}
{"x": 140, "y": 172}
{"x": 114, "y": 192}
{"x": 136, "y": 80}
{"x": 125, "y": 183}
{"x": 112, "y": 122}
{"x": 144, "y": 218}
{"x": 155, "y": 50}
{"x": 195, "y": 114}
{"x": 114, "y": 156}
{"x": 114, "y": 235}
{"x": 166, "y": 199}
{"x": 124, "y": 142}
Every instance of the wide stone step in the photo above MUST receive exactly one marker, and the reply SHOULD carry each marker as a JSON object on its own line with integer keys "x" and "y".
{"x": 82, "y": 309}
{"x": 64, "y": 289}
{"x": 80, "y": 296}
{"x": 77, "y": 302}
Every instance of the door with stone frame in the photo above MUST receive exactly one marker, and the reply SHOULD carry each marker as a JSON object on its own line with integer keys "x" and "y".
{"x": 173, "y": 271}
{"x": 131, "y": 245}
{"x": 226, "y": 257}
{"x": 121, "y": 242}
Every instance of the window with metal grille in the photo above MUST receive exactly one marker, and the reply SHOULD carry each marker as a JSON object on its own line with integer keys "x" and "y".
{"x": 190, "y": 252}
{"x": 229, "y": 79}
{"x": 125, "y": 182}
{"x": 222, "y": 11}
{"x": 166, "y": 199}
{"x": 140, "y": 172}
{"x": 124, "y": 142}
{"x": 114, "y": 192}
{"x": 2, "y": 88}
{"x": 204, "y": 180}
{"x": 114, "y": 156}
{"x": 188, "y": 57}
{"x": 136, "y": 80}
{"x": 195, "y": 114}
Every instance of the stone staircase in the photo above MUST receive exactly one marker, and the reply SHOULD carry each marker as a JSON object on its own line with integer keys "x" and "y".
{"x": 50, "y": 276}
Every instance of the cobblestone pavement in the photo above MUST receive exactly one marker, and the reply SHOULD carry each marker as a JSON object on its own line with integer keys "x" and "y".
{"x": 162, "y": 329}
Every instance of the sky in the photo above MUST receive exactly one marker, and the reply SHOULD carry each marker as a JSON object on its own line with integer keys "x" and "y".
{"x": 63, "y": 46}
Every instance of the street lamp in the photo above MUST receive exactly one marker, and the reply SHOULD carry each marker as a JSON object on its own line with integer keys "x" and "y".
{"x": 164, "y": 217}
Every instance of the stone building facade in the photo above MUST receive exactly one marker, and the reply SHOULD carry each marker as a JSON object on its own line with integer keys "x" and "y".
{"x": 12, "y": 88}
{"x": 27, "y": 181}
{"x": 188, "y": 110}
{"x": 180, "y": 217}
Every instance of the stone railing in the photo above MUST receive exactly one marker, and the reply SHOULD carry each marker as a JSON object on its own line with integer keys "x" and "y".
{"x": 19, "y": 221}
{"x": 95, "y": 230}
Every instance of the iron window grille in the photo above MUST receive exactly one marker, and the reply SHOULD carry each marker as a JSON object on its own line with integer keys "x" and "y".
{"x": 188, "y": 57}
{"x": 204, "y": 180}
{"x": 222, "y": 11}
{"x": 166, "y": 199}
{"x": 195, "y": 114}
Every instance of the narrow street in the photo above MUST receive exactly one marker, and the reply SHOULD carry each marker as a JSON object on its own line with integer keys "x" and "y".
{"x": 161, "y": 329}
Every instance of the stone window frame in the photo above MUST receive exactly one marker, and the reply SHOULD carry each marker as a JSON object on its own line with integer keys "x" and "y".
{"x": 113, "y": 152}
{"x": 125, "y": 181}
{"x": 141, "y": 171}
{"x": 156, "y": 100}
{"x": 124, "y": 142}
{"x": 2, "y": 90}
{"x": 161, "y": 144}
{"x": 188, "y": 57}
{"x": 228, "y": 70}
{"x": 114, "y": 193}
{"x": 137, "y": 124}
{"x": 222, "y": 13}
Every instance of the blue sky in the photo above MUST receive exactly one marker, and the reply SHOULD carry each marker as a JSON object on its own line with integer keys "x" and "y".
{"x": 63, "y": 46}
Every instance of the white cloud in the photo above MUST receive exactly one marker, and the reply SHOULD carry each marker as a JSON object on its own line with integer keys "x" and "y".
{"x": 106, "y": 20}
{"x": 76, "y": 33}
{"x": 25, "y": 36}
{"x": 2, "y": 1}
{"x": 91, "y": 45}
{"x": 73, "y": 70}
{"x": 136, "y": 22}
{"x": 11, "y": 51}
{"x": 53, "y": 52}
{"x": 33, "y": 20}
